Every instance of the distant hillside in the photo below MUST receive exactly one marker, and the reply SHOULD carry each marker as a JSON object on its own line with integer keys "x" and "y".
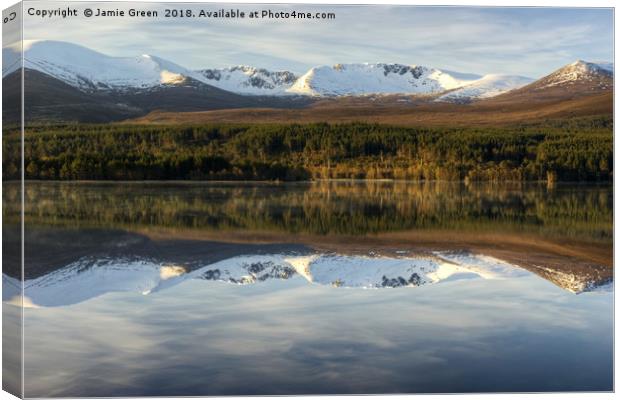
{"x": 48, "y": 99}
{"x": 399, "y": 111}
{"x": 579, "y": 79}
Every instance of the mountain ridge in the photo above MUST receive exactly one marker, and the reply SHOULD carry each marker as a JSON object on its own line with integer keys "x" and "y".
{"x": 64, "y": 87}
{"x": 89, "y": 70}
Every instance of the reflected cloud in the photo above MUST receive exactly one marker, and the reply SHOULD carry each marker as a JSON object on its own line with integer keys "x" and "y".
{"x": 285, "y": 337}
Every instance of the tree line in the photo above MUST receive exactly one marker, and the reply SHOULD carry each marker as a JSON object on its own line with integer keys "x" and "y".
{"x": 572, "y": 150}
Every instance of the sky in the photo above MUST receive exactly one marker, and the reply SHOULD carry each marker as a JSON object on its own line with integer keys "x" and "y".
{"x": 521, "y": 41}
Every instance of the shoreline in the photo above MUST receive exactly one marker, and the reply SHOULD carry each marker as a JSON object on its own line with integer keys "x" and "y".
{"x": 207, "y": 181}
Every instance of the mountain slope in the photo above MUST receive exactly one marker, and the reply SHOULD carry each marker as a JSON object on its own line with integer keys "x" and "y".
{"x": 50, "y": 99}
{"x": 485, "y": 87}
{"x": 363, "y": 79}
{"x": 574, "y": 80}
{"x": 580, "y": 74}
{"x": 249, "y": 80}
{"x": 86, "y": 69}
{"x": 392, "y": 111}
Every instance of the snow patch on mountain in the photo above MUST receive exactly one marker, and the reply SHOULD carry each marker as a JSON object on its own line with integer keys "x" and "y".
{"x": 485, "y": 87}
{"x": 244, "y": 79}
{"x": 363, "y": 79}
{"x": 367, "y": 79}
{"x": 86, "y": 69}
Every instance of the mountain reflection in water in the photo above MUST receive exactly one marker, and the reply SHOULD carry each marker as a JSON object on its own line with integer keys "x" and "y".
{"x": 88, "y": 278}
{"x": 196, "y": 289}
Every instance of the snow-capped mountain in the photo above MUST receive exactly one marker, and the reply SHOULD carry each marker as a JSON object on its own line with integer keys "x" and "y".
{"x": 485, "y": 87}
{"x": 88, "y": 70}
{"x": 90, "y": 278}
{"x": 579, "y": 71}
{"x": 577, "y": 79}
{"x": 362, "y": 79}
{"x": 244, "y": 79}
{"x": 580, "y": 75}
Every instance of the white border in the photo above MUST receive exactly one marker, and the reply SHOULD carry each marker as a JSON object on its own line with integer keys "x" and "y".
{"x": 490, "y": 3}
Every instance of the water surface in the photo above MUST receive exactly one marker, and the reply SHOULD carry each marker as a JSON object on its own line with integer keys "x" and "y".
{"x": 330, "y": 287}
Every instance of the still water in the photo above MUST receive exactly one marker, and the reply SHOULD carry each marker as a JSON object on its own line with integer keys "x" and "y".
{"x": 329, "y": 287}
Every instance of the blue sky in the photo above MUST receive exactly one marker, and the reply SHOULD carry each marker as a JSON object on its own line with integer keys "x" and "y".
{"x": 523, "y": 41}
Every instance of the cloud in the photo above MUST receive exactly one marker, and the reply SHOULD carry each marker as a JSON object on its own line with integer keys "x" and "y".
{"x": 524, "y": 41}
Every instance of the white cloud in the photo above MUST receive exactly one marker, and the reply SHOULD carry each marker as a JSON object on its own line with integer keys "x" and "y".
{"x": 528, "y": 41}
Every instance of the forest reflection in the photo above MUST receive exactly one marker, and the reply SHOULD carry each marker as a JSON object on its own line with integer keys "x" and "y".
{"x": 322, "y": 208}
